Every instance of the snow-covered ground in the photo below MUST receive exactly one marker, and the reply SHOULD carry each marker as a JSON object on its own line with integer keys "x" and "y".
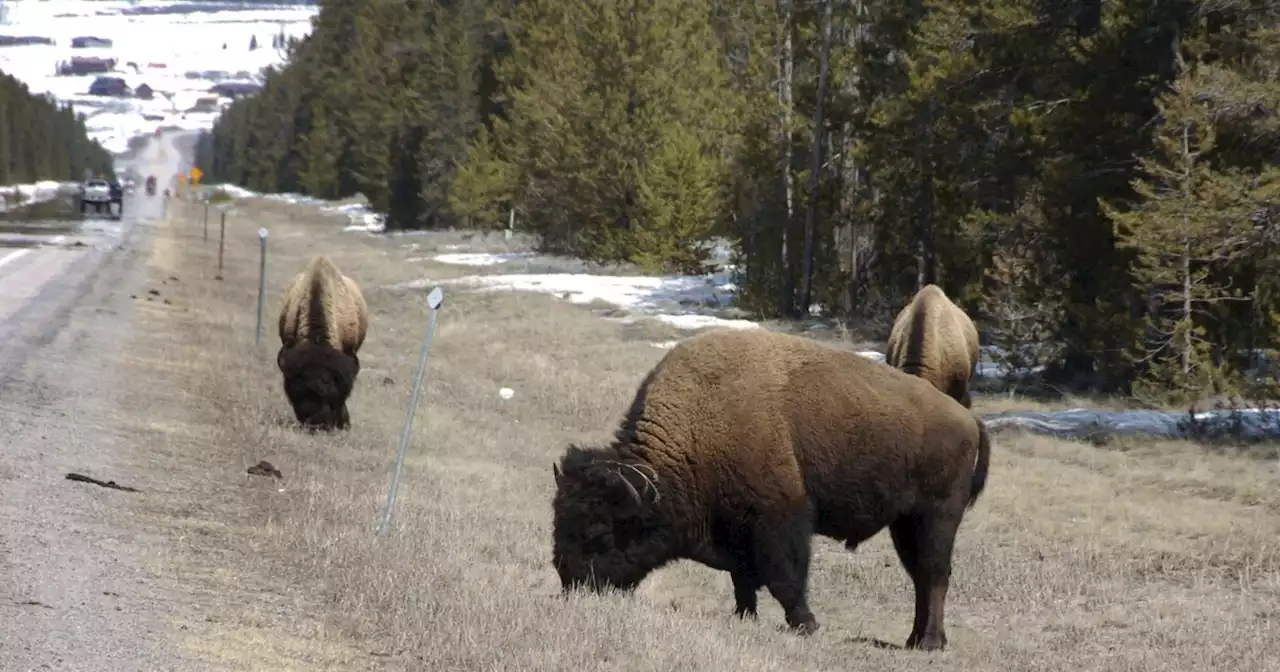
{"x": 176, "y": 48}
{"x": 19, "y": 195}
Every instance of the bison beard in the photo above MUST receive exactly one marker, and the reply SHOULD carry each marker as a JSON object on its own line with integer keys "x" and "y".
{"x": 317, "y": 380}
{"x": 739, "y": 446}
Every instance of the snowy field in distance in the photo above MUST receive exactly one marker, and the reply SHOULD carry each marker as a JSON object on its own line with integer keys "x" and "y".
{"x": 177, "y": 48}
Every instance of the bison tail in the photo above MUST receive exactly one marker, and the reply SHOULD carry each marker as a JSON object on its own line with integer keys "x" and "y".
{"x": 979, "y": 480}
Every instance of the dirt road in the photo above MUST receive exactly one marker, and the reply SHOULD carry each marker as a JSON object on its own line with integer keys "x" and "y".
{"x": 73, "y": 591}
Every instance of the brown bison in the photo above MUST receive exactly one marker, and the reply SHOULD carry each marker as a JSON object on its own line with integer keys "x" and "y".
{"x": 322, "y": 325}
{"x": 934, "y": 339}
{"x": 740, "y": 445}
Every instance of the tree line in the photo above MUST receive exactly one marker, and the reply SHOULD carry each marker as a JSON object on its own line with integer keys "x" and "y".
{"x": 1092, "y": 181}
{"x": 43, "y": 140}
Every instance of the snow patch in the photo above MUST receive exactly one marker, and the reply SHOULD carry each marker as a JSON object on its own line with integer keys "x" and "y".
{"x": 679, "y": 300}
{"x": 480, "y": 258}
{"x": 370, "y": 222}
{"x": 640, "y": 293}
{"x": 235, "y": 192}
{"x": 692, "y": 322}
{"x": 30, "y": 194}
{"x": 1081, "y": 423}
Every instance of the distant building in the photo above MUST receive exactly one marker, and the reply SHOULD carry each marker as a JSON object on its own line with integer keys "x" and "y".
{"x": 87, "y": 65}
{"x": 205, "y": 104}
{"x": 89, "y": 42}
{"x": 235, "y": 89}
{"x": 23, "y": 40}
{"x": 109, "y": 86}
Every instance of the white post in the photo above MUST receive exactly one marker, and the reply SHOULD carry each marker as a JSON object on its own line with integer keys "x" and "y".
{"x": 262, "y": 280}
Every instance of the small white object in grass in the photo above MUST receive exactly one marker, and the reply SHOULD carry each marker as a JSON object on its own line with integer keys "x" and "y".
{"x": 506, "y": 393}
{"x": 262, "y": 232}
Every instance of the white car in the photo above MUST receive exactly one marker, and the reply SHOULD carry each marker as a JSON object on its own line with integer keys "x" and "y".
{"x": 96, "y": 193}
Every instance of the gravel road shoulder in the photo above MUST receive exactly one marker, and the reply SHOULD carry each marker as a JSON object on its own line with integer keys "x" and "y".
{"x": 97, "y": 578}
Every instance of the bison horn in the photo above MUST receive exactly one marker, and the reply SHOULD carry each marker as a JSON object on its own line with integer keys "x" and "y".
{"x": 650, "y": 483}
{"x": 631, "y": 490}
{"x": 555, "y": 471}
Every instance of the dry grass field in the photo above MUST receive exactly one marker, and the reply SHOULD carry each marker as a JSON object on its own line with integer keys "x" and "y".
{"x": 1138, "y": 556}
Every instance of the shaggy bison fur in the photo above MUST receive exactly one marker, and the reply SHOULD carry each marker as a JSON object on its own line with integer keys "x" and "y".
{"x": 934, "y": 339}
{"x": 322, "y": 324}
{"x": 740, "y": 445}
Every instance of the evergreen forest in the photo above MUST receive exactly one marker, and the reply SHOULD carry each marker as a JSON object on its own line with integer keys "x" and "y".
{"x": 1093, "y": 182}
{"x": 42, "y": 140}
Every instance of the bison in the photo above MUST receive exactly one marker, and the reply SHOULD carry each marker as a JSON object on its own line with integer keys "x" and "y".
{"x": 740, "y": 445}
{"x": 322, "y": 324}
{"x": 934, "y": 339}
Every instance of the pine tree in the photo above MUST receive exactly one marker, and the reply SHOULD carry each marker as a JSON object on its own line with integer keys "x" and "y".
{"x": 595, "y": 93}
{"x": 680, "y": 200}
{"x": 318, "y": 155}
{"x": 1191, "y": 222}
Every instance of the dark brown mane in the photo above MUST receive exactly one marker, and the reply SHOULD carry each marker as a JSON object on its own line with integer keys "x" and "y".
{"x": 317, "y": 323}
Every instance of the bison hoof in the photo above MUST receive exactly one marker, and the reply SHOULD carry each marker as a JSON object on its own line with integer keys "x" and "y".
{"x": 934, "y": 642}
{"x": 803, "y": 626}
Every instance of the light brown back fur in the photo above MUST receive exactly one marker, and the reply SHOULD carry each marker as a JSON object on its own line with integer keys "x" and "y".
{"x": 339, "y": 308}
{"x": 934, "y": 339}
{"x": 785, "y": 425}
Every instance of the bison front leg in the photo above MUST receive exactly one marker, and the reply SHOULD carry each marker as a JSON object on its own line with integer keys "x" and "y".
{"x": 782, "y": 558}
{"x": 745, "y": 586}
{"x": 926, "y": 541}
{"x": 344, "y": 418}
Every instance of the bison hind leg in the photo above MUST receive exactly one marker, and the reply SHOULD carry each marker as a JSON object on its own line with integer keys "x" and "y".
{"x": 782, "y": 551}
{"x": 924, "y": 542}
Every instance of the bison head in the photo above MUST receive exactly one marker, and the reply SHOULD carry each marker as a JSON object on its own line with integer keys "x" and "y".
{"x": 609, "y": 530}
{"x": 317, "y": 380}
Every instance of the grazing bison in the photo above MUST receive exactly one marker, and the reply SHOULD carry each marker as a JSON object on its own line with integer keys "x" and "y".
{"x": 935, "y": 340}
{"x": 322, "y": 325}
{"x": 740, "y": 445}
